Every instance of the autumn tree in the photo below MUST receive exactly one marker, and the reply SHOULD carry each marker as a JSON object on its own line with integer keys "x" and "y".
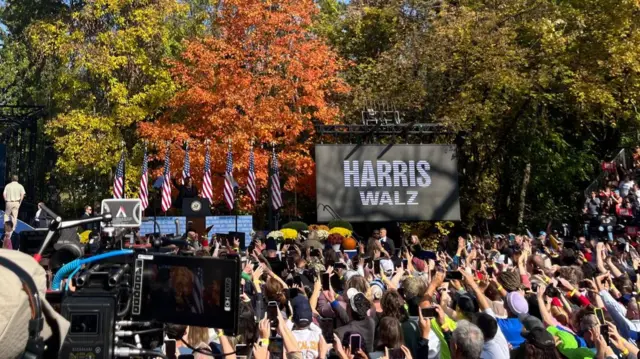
{"x": 265, "y": 76}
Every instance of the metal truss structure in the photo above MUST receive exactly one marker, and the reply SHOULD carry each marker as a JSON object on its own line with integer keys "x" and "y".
{"x": 20, "y": 133}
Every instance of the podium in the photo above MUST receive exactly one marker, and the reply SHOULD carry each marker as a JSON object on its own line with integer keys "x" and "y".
{"x": 196, "y": 210}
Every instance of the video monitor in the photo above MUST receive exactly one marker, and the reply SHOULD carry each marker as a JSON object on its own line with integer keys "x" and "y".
{"x": 197, "y": 291}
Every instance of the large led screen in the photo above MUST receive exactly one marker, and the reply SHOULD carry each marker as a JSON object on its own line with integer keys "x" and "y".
{"x": 362, "y": 183}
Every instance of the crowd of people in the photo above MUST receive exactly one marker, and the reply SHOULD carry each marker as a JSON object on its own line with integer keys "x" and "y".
{"x": 512, "y": 296}
{"x": 505, "y": 296}
{"x": 614, "y": 209}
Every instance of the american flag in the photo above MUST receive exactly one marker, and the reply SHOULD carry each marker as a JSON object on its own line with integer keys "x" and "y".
{"x": 144, "y": 181}
{"x": 276, "y": 193}
{"x": 118, "y": 180}
{"x": 251, "y": 184}
{"x": 228, "y": 181}
{"x": 186, "y": 169}
{"x": 207, "y": 189}
{"x": 166, "y": 183}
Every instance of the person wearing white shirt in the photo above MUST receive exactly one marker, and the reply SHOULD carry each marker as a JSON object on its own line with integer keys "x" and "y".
{"x": 13, "y": 196}
{"x": 625, "y": 186}
{"x": 495, "y": 345}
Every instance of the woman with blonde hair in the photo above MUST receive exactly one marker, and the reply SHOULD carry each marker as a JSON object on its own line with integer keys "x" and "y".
{"x": 198, "y": 337}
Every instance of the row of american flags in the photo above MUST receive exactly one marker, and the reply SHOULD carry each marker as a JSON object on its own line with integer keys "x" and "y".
{"x": 207, "y": 190}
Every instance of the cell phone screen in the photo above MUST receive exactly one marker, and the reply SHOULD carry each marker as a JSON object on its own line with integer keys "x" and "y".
{"x": 396, "y": 354}
{"x": 604, "y": 331}
{"x": 170, "y": 348}
{"x": 275, "y": 348}
{"x": 326, "y": 325}
{"x": 325, "y": 281}
{"x": 297, "y": 280}
{"x": 293, "y": 292}
{"x": 600, "y": 314}
{"x": 453, "y": 275}
{"x": 368, "y": 261}
{"x": 272, "y": 313}
{"x": 354, "y": 342}
{"x": 242, "y": 350}
{"x": 489, "y": 271}
{"x": 429, "y": 312}
{"x": 376, "y": 266}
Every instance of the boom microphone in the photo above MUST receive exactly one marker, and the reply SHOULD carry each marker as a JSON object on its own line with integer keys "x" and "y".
{"x": 52, "y": 227}
{"x": 57, "y": 225}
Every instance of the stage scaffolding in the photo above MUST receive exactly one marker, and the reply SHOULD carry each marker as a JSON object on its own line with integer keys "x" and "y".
{"x": 25, "y": 151}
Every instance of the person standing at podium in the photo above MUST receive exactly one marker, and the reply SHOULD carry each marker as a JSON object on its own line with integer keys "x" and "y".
{"x": 186, "y": 190}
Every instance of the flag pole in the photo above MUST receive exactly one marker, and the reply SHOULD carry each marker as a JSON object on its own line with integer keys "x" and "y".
{"x": 234, "y": 211}
{"x": 166, "y": 153}
{"x": 270, "y": 214}
{"x": 124, "y": 169}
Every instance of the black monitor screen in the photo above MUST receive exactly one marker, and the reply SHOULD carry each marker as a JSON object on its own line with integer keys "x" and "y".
{"x": 84, "y": 323}
{"x": 198, "y": 291}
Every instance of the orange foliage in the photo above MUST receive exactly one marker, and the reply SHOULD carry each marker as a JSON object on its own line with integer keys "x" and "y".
{"x": 264, "y": 75}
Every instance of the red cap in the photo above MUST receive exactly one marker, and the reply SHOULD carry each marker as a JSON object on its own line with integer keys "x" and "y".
{"x": 556, "y": 302}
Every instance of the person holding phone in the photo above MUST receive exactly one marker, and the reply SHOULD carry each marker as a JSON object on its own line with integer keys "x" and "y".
{"x": 360, "y": 322}
{"x": 264, "y": 349}
{"x": 495, "y": 343}
{"x": 307, "y": 333}
{"x": 422, "y": 349}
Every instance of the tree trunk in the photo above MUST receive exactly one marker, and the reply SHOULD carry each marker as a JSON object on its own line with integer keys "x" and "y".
{"x": 523, "y": 191}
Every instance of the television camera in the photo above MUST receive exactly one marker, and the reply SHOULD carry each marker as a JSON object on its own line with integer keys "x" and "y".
{"x": 118, "y": 296}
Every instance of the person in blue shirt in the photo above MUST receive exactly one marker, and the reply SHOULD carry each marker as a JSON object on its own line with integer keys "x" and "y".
{"x": 511, "y": 327}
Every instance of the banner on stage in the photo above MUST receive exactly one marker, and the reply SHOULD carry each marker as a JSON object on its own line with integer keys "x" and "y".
{"x": 125, "y": 212}
{"x": 387, "y": 182}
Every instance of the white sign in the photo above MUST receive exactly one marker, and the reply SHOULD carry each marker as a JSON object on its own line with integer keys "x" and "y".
{"x": 126, "y": 213}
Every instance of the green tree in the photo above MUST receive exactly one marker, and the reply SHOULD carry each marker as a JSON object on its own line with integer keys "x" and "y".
{"x": 109, "y": 72}
{"x": 541, "y": 88}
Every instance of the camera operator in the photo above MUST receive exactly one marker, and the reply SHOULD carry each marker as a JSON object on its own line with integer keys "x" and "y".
{"x": 18, "y": 307}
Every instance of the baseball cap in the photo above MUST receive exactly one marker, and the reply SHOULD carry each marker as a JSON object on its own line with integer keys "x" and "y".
{"x": 302, "y": 314}
{"x": 540, "y": 338}
{"x": 529, "y": 323}
{"x": 15, "y": 310}
{"x": 517, "y": 304}
{"x": 418, "y": 264}
{"x": 377, "y": 288}
{"x": 387, "y": 266}
{"x": 358, "y": 301}
{"x": 466, "y": 304}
